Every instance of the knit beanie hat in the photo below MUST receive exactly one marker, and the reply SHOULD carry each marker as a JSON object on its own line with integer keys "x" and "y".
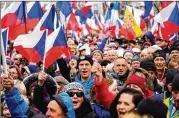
{"x": 159, "y": 53}
{"x": 137, "y": 80}
{"x": 98, "y": 51}
{"x": 153, "y": 107}
{"x": 30, "y": 69}
{"x": 148, "y": 64}
{"x": 74, "y": 86}
{"x": 128, "y": 50}
{"x": 74, "y": 57}
{"x": 135, "y": 58}
{"x": 83, "y": 58}
{"x": 173, "y": 48}
{"x": 170, "y": 74}
{"x": 175, "y": 83}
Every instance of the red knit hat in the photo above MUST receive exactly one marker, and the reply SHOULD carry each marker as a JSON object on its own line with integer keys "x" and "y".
{"x": 135, "y": 79}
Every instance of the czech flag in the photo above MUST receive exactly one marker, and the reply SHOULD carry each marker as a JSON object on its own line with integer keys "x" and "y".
{"x": 49, "y": 20}
{"x": 168, "y": 18}
{"x": 55, "y": 46}
{"x": 34, "y": 14}
{"x": 32, "y": 46}
{"x": 4, "y": 39}
{"x": 15, "y": 19}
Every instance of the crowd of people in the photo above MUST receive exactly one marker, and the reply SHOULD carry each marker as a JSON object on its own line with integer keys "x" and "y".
{"x": 104, "y": 78}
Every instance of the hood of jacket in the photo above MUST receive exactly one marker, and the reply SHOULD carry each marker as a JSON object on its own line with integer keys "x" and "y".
{"x": 64, "y": 100}
{"x": 150, "y": 36}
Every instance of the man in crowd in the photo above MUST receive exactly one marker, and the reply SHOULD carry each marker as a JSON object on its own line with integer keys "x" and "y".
{"x": 173, "y": 102}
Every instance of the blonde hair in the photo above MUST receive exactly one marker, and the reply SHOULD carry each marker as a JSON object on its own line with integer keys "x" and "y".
{"x": 144, "y": 52}
{"x": 172, "y": 63}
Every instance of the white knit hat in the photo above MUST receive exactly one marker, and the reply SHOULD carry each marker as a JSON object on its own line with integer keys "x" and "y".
{"x": 74, "y": 86}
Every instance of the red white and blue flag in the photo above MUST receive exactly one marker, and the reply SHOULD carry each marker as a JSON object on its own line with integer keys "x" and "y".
{"x": 49, "y": 20}
{"x": 168, "y": 19}
{"x": 4, "y": 39}
{"x": 15, "y": 18}
{"x": 32, "y": 46}
{"x": 34, "y": 14}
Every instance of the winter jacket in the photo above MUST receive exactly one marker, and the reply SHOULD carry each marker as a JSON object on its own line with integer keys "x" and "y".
{"x": 85, "y": 110}
{"x": 86, "y": 84}
{"x": 20, "y": 109}
{"x": 16, "y": 104}
{"x": 102, "y": 94}
{"x": 65, "y": 100}
{"x": 150, "y": 36}
{"x": 120, "y": 78}
{"x": 170, "y": 104}
{"x": 100, "y": 111}
{"x": 50, "y": 83}
{"x": 42, "y": 94}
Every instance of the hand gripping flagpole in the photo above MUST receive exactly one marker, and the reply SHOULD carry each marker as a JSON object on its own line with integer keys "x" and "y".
{"x": 3, "y": 57}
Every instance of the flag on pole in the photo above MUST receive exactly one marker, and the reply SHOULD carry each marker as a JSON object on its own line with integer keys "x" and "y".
{"x": 34, "y": 14}
{"x": 49, "y": 20}
{"x": 31, "y": 46}
{"x": 55, "y": 46}
{"x": 168, "y": 19}
{"x": 15, "y": 18}
{"x": 4, "y": 39}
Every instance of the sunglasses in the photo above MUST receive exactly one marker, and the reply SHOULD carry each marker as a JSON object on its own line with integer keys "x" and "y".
{"x": 78, "y": 94}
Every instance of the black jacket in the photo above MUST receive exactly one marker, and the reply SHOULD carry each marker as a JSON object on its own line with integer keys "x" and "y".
{"x": 85, "y": 111}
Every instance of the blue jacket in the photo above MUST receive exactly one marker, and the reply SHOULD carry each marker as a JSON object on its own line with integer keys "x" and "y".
{"x": 100, "y": 111}
{"x": 16, "y": 104}
{"x": 18, "y": 107}
{"x": 86, "y": 84}
{"x": 68, "y": 103}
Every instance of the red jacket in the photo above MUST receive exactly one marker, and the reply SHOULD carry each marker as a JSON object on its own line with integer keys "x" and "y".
{"x": 102, "y": 94}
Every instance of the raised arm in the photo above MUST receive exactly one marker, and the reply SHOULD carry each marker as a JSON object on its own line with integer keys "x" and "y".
{"x": 16, "y": 104}
{"x": 103, "y": 95}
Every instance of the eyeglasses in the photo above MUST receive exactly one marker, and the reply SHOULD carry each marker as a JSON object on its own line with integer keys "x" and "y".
{"x": 78, "y": 94}
{"x": 12, "y": 73}
{"x": 17, "y": 58}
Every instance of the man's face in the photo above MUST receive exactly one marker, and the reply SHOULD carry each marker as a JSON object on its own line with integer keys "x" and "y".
{"x": 159, "y": 63}
{"x": 85, "y": 69}
{"x": 164, "y": 43}
{"x": 77, "y": 98}
{"x": 13, "y": 72}
{"x": 97, "y": 56}
{"x": 120, "y": 66}
{"x": 6, "y": 112}
{"x": 112, "y": 56}
{"x": 174, "y": 53}
{"x": 54, "y": 110}
{"x": 175, "y": 95}
{"x": 128, "y": 56}
{"x": 135, "y": 64}
{"x": 105, "y": 56}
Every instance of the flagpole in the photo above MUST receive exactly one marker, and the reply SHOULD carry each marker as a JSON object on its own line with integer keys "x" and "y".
{"x": 4, "y": 58}
{"x": 43, "y": 67}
